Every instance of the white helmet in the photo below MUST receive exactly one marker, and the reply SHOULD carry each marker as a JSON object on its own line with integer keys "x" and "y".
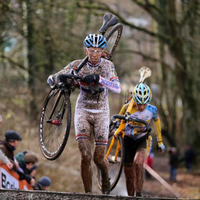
{"x": 142, "y": 94}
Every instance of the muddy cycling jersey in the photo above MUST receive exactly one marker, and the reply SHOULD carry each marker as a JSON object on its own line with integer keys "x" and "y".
{"x": 93, "y": 109}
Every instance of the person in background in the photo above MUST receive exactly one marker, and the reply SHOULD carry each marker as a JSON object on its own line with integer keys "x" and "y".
{"x": 189, "y": 156}
{"x": 9, "y": 145}
{"x": 27, "y": 167}
{"x": 173, "y": 162}
{"x": 43, "y": 184}
{"x": 4, "y": 160}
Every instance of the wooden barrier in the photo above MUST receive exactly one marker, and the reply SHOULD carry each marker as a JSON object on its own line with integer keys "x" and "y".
{"x": 9, "y": 179}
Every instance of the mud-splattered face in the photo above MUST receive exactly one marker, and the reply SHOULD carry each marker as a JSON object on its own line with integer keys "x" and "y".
{"x": 94, "y": 54}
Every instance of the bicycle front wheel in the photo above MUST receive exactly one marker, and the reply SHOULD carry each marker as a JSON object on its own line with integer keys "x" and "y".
{"x": 113, "y": 39}
{"x": 115, "y": 162}
{"x": 55, "y": 122}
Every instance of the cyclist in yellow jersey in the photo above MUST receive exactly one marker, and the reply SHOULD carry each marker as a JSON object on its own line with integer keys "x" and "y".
{"x": 137, "y": 145}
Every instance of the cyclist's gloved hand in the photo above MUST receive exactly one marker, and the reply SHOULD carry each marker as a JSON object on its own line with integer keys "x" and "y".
{"x": 91, "y": 78}
{"x": 161, "y": 147}
{"x": 51, "y": 81}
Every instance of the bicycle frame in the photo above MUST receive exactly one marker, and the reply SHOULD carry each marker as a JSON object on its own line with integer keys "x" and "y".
{"x": 54, "y": 107}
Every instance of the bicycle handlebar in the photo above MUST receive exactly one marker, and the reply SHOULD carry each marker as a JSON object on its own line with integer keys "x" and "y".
{"x": 60, "y": 77}
{"x": 129, "y": 118}
{"x": 61, "y": 81}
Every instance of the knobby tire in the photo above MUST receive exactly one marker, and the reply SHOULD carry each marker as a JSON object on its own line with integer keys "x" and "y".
{"x": 54, "y": 136}
{"x": 113, "y": 38}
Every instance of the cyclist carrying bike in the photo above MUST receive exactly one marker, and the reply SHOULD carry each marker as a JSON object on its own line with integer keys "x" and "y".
{"x": 92, "y": 110}
{"x": 136, "y": 143}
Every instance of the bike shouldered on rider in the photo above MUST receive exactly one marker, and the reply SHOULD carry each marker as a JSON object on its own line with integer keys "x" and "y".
{"x": 93, "y": 109}
{"x": 138, "y": 145}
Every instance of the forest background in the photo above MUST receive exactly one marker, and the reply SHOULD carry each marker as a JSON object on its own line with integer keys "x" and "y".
{"x": 38, "y": 38}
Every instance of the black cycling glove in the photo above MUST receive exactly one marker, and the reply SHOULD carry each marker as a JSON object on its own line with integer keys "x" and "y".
{"x": 91, "y": 78}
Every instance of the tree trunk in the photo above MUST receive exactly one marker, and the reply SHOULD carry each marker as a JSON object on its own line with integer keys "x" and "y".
{"x": 30, "y": 56}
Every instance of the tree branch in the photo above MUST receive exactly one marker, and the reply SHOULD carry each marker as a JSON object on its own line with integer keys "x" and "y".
{"x": 146, "y": 57}
{"x": 13, "y": 62}
{"x": 105, "y": 7}
{"x": 157, "y": 14}
{"x": 187, "y": 15}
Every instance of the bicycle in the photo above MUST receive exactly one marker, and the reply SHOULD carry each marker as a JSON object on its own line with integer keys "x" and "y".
{"x": 115, "y": 150}
{"x": 55, "y": 118}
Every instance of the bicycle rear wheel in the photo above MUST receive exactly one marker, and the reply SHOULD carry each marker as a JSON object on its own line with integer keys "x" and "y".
{"x": 113, "y": 39}
{"x": 55, "y": 122}
{"x": 115, "y": 162}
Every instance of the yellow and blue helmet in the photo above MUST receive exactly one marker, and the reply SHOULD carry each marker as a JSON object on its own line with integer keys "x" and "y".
{"x": 95, "y": 40}
{"x": 142, "y": 94}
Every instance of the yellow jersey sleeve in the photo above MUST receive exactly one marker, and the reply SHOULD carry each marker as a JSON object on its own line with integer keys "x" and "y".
{"x": 123, "y": 109}
{"x": 157, "y": 125}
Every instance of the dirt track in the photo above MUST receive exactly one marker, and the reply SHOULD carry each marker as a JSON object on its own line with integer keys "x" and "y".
{"x": 42, "y": 195}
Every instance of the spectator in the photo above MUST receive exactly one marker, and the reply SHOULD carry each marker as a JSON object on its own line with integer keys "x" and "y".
{"x": 173, "y": 162}
{"x": 4, "y": 160}
{"x": 33, "y": 170}
{"x": 27, "y": 167}
{"x": 42, "y": 184}
{"x": 189, "y": 155}
{"x": 9, "y": 144}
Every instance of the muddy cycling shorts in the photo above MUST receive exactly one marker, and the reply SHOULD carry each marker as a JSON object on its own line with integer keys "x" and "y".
{"x": 132, "y": 146}
{"x": 87, "y": 123}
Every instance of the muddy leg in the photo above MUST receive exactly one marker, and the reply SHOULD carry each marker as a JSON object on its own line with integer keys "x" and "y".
{"x": 129, "y": 174}
{"x": 100, "y": 161}
{"x": 138, "y": 170}
{"x": 86, "y": 169}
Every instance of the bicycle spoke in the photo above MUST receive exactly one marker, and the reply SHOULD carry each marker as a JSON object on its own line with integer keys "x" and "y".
{"x": 54, "y": 132}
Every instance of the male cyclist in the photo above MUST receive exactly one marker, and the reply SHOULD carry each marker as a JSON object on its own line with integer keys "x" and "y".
{"x": 137, "y": 144}
{"x": 92, "y": 110}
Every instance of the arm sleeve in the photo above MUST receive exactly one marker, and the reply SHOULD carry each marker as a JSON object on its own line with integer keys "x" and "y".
{"x": 112, "y": 82}
{"x": 157, "y": 126}
{"x": 4, "y": 159}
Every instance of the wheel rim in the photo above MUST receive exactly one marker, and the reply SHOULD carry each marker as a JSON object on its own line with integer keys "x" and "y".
{"x": 53, "y": 131}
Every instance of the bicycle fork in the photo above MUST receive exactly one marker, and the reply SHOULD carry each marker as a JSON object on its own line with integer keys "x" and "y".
{"x": 119, "y": 130}
{"x": 55, "y": 122}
